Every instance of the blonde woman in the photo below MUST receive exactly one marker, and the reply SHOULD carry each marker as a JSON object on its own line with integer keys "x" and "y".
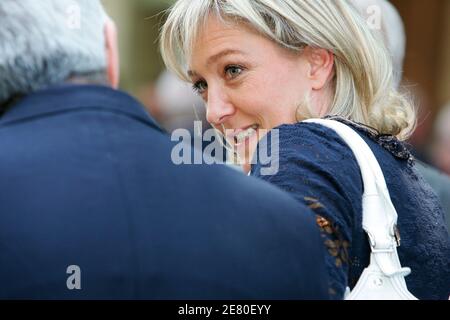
{"x": 268, "y": 64}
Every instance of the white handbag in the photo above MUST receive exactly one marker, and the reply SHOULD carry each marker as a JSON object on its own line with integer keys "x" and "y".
{"x": 384, "y": 278}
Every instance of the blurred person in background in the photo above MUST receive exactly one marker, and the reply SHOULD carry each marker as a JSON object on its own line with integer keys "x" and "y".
{"x": 92, "y": 205}
{"x": 391, "y": 29}
{"x": 393, "y": 32}
{"x": 439, "y": 154}
{"x": 176, "y": 104}
{"x": 440, "y": 150}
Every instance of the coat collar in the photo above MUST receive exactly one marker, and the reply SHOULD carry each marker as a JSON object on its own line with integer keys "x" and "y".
{"x": 66, "y": 97}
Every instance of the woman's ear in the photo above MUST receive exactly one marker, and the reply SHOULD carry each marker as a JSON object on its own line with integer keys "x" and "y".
{"x": 321, "y": 67}
{"x": 112, "y": 53}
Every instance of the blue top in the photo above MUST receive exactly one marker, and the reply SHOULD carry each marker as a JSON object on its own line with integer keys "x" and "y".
{"x": 86, "y": 179}
{"x": 320, "y": 170}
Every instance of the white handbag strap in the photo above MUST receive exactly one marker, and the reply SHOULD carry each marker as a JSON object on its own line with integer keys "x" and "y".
{"x": 379, "y": 214}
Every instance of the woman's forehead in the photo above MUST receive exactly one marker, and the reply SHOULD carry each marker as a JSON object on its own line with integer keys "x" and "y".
{"x": 218, "y": 30}
{"x": 217, "y": 41}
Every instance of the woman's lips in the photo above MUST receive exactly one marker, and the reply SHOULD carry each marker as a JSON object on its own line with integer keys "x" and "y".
{"x": 241, "y": 135}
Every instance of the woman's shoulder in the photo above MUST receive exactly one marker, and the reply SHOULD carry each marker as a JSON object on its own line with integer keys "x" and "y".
{"x": 311, "y": 144}
{"x": 307, "y": 133}
{"x": 313, "y": 163}
{"x": 323, "y": 141}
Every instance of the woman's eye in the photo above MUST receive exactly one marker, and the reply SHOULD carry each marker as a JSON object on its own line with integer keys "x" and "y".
{"x": 233, "y": 71}
{"x": 200, "y": 87}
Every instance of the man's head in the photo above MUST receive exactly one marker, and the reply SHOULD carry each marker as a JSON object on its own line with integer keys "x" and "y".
{"x": 43, "y": 43}
{"x": 392, "y": 30}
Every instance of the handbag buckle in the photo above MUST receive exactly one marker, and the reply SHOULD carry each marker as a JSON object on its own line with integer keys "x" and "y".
{"x": 397, "y": 236}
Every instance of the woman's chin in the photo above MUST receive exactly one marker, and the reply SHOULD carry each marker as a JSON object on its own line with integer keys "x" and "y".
{"x": 246, "y": 168}
{"x": 246, "y": 152}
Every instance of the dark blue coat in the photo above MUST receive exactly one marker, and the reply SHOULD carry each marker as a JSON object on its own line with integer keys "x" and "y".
{"x": 320, "y": 170}
{"x": 86, "y": 179}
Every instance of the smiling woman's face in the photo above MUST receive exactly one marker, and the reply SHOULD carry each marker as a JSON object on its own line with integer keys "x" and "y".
{"x": 247, "y": 81}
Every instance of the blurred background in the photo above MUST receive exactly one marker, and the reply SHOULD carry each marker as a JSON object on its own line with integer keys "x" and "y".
{"x": 426, "y": 70}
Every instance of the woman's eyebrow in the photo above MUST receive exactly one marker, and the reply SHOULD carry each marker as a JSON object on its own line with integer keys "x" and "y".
{"x": 222, "y": 54}
{"x": 191, "y": 74}
{"x": 216, "y": 57}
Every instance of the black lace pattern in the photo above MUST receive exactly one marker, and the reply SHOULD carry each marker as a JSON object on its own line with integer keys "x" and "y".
{"x": 389, "y": 142}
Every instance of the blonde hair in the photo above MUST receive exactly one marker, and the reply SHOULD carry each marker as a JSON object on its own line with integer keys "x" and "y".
{"x": 363, "y": 84}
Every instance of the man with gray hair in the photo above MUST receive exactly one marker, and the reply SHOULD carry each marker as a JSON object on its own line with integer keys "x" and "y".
{"x": 53, "y": 42}
{"x": 91, "y": 205}
{"x": 393, "y": 32}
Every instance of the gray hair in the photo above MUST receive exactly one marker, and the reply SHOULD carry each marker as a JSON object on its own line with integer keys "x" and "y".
{"x": 392, "y": 30}
{"x": 43, "y": 43}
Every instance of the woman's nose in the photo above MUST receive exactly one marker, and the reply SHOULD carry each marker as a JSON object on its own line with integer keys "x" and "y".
{"x": 218, "y": 108}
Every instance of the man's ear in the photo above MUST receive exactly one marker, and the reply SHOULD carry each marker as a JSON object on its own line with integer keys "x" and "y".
{"x": 321, "y": 63}
{"x": 112, "y": 53}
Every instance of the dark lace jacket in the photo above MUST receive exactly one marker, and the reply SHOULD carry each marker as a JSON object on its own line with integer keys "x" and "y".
{"x": 320, "y": 170}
